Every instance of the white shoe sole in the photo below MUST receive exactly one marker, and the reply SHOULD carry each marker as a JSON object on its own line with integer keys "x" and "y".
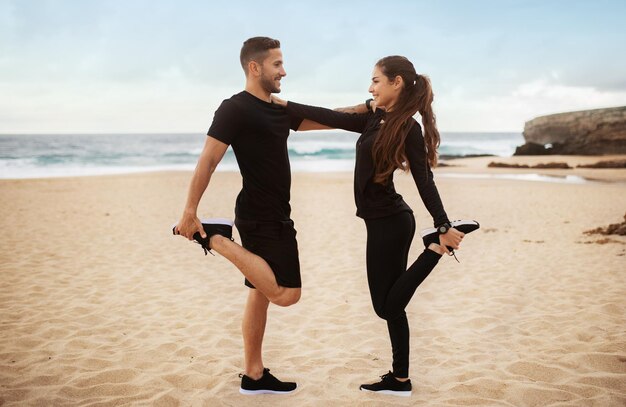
{"x": 218, "y": 221}
{"x": 390, "y": 392}
{"x": 454, "y": 224}
{"x": 213, "y": 221}
{"x": 255, "y": 392}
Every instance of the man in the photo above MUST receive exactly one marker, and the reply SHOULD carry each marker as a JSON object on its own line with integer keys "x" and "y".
{"x": 257, "y": 130}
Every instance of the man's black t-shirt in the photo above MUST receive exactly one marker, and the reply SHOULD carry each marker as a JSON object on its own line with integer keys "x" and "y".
{"x": 258, "y": 131}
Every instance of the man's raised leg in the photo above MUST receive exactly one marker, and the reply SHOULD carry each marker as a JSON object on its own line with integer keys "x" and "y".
{"x": 256, "y": 270}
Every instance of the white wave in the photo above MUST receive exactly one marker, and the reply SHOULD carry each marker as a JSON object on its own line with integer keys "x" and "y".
{"x": 567, "y": 179}
{"x": 314, "y": 146}
{"x": 82, "y": 171}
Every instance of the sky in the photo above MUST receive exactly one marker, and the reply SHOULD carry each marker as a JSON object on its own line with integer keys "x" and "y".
{"x": 150, "y": 66}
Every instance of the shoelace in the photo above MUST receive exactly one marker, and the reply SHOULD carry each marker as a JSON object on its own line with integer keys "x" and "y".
{"x": 386, "y": 375}
{"x": 207, "y": 250}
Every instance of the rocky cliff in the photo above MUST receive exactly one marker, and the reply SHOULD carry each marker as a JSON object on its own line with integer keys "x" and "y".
{"x": 588, "y": 132}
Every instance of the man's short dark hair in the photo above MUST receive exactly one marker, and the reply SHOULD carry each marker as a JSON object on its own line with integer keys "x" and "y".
{"x": 256, "y": 49}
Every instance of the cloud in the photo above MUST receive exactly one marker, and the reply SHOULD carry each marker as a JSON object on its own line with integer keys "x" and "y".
{"x": 173, "y": 105}
{"x": 555, "y": 97}
{"x": 458, "y": 111}
{"x": 73, "y": 66}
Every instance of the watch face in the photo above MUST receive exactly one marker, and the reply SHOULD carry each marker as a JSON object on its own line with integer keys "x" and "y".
{"x": 443, "y": 229}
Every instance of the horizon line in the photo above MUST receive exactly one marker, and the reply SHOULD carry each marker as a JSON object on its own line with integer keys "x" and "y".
{"x": 188, "y": 133}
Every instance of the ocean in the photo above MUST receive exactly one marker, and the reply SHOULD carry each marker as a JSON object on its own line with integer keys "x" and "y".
{"x": 59, "y": 155}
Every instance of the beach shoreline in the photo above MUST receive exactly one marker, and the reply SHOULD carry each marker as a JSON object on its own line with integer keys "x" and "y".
{"x": 102, "y": 305}
{"x": 479, "y": 165}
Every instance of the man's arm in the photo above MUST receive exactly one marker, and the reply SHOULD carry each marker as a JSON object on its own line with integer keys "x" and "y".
{"x": 211, "y": 155}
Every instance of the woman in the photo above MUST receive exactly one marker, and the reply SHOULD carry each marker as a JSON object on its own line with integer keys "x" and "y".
{"x": 391, "y": 139}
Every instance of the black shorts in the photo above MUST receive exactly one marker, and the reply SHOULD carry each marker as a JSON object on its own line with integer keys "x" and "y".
{"x": 275, "y": 242}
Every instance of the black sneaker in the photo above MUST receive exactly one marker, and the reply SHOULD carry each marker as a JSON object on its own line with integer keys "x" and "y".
{"x": 431, "y": 235}
{"x": 267, "y": 384}
{"x": 389, "y": 385}
{"x": 216, "y": 226}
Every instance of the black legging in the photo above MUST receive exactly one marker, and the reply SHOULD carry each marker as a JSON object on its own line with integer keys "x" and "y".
{"x": 391, "y": 284}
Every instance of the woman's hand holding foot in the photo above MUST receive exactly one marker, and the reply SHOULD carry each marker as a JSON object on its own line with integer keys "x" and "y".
{"x": 452, "y": 238}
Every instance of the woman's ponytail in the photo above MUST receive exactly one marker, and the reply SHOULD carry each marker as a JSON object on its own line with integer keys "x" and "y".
{"x": 429, "y": 121}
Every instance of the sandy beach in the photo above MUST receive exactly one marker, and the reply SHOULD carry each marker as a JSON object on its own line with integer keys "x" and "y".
{"x": 102, "y": 306}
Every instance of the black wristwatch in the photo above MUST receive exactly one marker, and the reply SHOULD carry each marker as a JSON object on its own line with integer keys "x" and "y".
{"x": 443, "y": 228}
{"x": 368, "y": 104}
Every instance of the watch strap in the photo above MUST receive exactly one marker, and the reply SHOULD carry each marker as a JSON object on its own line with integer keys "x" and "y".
{"x": 444, "y": 227}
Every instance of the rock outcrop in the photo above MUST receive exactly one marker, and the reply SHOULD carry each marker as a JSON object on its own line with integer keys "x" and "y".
{"x": 551, "y": 165}
{"x": 605, "y": 164}
{"x": 588, "y": 132}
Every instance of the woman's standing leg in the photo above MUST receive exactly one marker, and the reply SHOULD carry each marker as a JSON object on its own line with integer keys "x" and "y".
{"x": 391, "y": 285}
{"x": 388, "y": 243}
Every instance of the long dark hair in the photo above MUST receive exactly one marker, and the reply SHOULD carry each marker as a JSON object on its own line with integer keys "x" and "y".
{"x": 416, "y": 96}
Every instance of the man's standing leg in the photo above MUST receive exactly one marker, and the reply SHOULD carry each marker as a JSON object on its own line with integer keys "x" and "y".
{"x": 274, "y": 244}
{"x": 258, "y": 379}
{"x": 253, "y": 329}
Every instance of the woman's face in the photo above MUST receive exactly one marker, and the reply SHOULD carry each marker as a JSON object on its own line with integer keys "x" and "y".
{"x": 384, "y": 91}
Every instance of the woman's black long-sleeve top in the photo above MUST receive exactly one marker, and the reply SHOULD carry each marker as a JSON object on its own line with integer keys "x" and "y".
{"x": 374, "y": 200}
